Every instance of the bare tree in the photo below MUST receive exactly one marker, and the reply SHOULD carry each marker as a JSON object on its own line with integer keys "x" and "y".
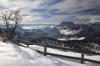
{"x": 11, "y": 20}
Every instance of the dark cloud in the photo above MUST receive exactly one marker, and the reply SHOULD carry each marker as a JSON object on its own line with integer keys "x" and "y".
{"x": 90, "y": 12}
{"x": 51, "y": 12}
{"x": 51, "y": 2}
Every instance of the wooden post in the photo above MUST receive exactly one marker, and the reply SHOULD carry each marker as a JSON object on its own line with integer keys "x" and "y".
{"x": 82, "y": 54}
{"x": 82, "y": 57}
{"x": 45, "y": 48}
{"x": 27, "y": 45}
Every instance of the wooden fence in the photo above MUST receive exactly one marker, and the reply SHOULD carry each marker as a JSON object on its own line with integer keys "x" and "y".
{"x": 62, "y": 46}
{"x": 82, "y": 59}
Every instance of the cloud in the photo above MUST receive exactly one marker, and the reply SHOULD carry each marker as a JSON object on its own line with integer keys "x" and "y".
{"x": 55, "y": 11}
{"x": 29, "y": 19}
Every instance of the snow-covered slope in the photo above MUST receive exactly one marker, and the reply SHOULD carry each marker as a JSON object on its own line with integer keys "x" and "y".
{"x": 13, "y": 55}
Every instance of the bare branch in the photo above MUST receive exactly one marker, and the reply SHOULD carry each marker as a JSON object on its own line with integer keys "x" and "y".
{"x": 10, "y": 17}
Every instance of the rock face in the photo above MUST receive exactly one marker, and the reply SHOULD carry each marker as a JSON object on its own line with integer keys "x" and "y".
{"x": 69, "y": 25}
{"x": 90, "y": 29}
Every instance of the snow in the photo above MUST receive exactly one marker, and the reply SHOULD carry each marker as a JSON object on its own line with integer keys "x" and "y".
{"x": 68, "y": 32}
{"x": 77, "y": 38}
{"x": 72, "y": 38}
{"x": 62, "y": 39}
{"x": 14, "y": 55}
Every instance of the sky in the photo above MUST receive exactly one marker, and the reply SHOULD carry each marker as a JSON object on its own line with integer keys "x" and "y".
{"x": 55, "y": 11}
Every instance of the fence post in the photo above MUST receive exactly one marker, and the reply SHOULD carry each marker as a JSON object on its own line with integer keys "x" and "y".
{"x": 82, "y": 57}
{"x": 27, "y": 45}
{"x": 45, "y": 48}
{"x": 82, "y": 54}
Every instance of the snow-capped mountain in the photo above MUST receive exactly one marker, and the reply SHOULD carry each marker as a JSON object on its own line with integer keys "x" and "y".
{"x": 63, "y": 29}
{"x": 68, "y": 28}
{"x": 69, "y": 25}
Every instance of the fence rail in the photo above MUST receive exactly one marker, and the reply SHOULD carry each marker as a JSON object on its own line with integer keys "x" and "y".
{"x": 82, "y": 59}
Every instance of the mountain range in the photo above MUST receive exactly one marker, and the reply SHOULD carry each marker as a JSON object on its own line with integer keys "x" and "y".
{"x": 62, "y": 30}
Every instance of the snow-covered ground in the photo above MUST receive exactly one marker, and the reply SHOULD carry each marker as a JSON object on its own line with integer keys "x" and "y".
{"x": 13, "y": 55}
